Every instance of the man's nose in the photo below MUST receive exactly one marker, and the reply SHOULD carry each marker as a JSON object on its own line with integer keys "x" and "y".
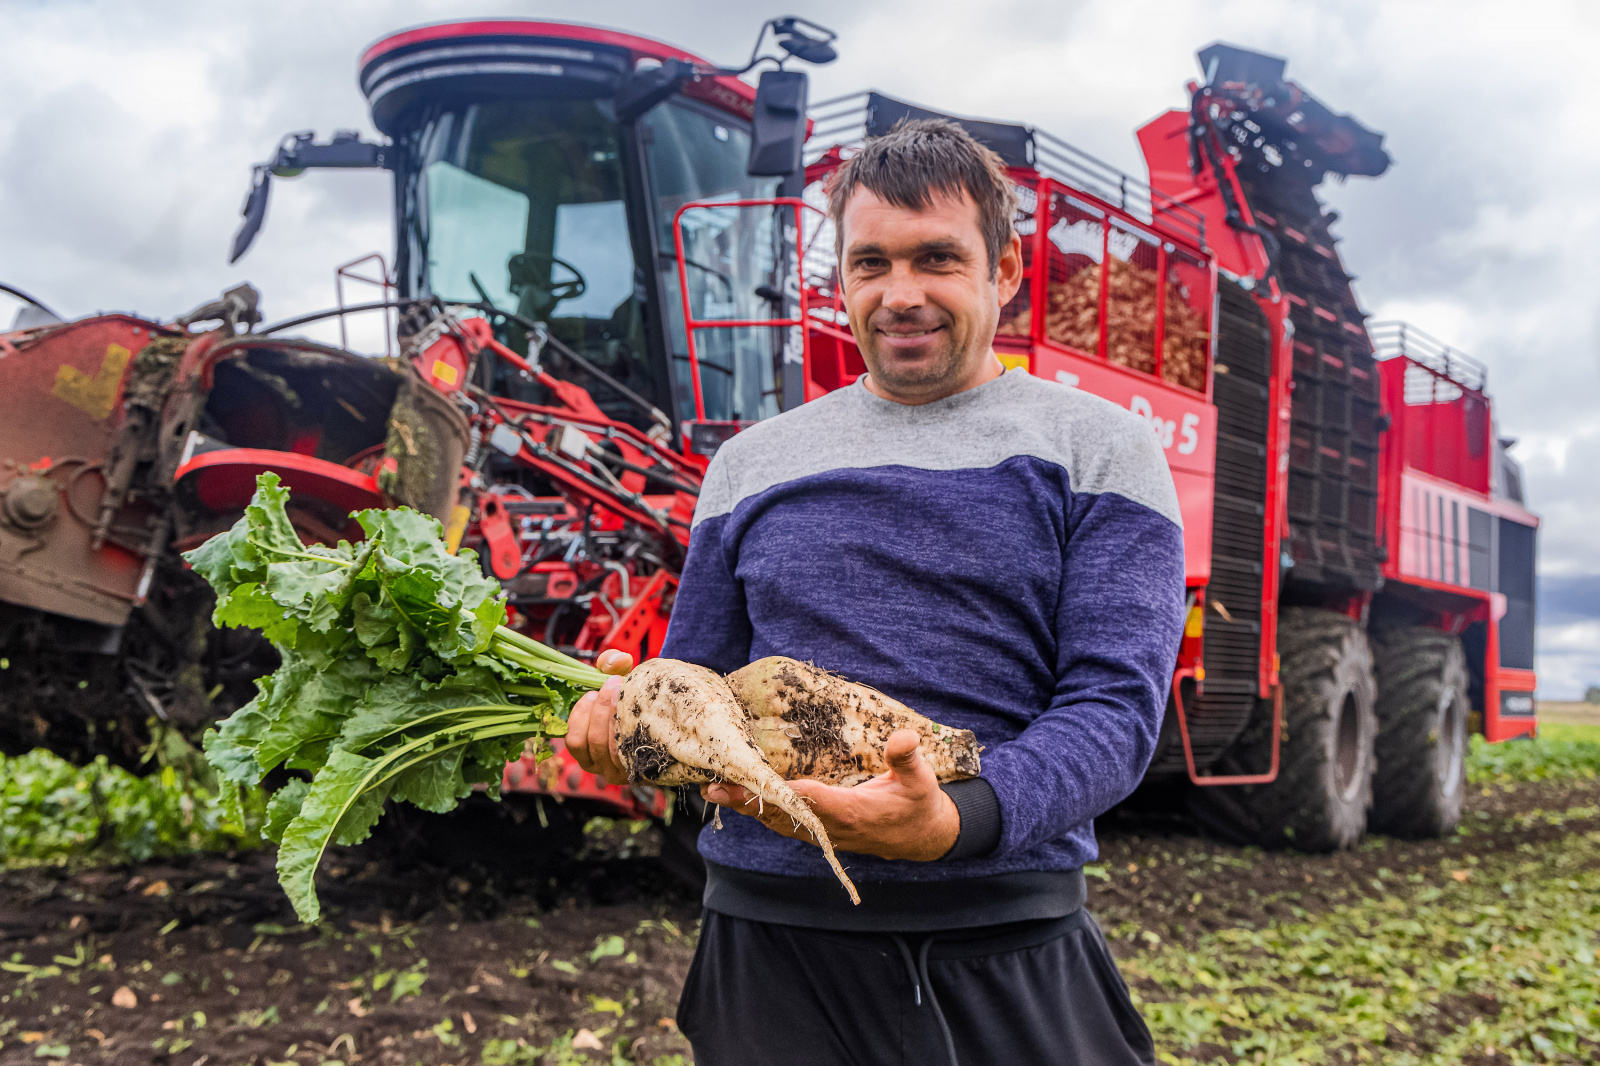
{"x": 904, "y": 291}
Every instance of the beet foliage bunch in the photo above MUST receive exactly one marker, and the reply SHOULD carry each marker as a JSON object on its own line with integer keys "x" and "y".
{"x": 398, "y": 680}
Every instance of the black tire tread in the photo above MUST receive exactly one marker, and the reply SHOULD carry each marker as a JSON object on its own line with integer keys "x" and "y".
{"x": 1292, "y": 811}
{"x": 1413, "y": 665}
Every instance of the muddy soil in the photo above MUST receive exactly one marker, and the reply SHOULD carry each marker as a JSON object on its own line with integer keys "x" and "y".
{"x": 200, "y": 962}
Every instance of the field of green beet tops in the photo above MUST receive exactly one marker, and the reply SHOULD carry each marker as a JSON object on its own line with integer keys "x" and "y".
{"x": 140, "y": 924}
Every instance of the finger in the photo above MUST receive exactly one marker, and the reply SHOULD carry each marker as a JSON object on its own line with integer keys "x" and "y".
{"x": 614, "y": 748}
{"x": 601, "y": 727}
{"x": 614, "y": 662}
{"x": 578, "y": 730}
{"x": 724, "y": 795}
{"x": 741, "y": 799}
{"x": 905, "y": 759}
{"x": 838, "y": 809}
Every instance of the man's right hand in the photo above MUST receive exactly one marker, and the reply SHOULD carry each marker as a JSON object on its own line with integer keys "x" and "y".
{"x": 591, "y": 734}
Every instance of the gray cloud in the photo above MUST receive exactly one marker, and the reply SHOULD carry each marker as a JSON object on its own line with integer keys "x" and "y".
{"x": 129, "y": 130}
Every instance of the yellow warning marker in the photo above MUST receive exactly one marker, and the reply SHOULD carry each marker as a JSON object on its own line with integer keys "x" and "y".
{"x": 456, "y": 528}
{"x": 94, "y": 396}
{"x": 444, "y": 372}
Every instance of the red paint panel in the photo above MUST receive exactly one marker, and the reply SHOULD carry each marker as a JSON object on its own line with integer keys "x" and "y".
{"x": 225, "y": 480}
{"x": 1165, "y": 143}
{"x": 505, "y": 554}
{"x": 1497, "y": 727}
{"x": 1447, "y": 438}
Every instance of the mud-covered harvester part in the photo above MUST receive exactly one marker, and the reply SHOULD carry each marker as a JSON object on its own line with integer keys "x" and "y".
{"x": 63, "y": 446}
{"x": 123, "y": 442}
{"x": 427, "y": 441}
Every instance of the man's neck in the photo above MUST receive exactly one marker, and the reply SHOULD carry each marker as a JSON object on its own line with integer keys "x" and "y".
{"x": 987, "y": 371}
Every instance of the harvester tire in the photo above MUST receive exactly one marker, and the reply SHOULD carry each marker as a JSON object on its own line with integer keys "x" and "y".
{"x": 1423, "y": 708}
{"x": 1320, "y": 799}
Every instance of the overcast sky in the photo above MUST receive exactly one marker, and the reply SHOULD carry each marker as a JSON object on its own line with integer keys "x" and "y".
{"x": 128, "y": 131}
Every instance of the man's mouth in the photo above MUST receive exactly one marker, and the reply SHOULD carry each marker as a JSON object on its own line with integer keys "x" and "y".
{"x": 908, "y": 338}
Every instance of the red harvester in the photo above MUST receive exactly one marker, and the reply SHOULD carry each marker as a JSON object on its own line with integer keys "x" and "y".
{"x": 611, "y": 257}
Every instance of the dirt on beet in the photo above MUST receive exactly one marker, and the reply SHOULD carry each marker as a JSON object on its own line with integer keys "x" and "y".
{"x": 435, "y": 957}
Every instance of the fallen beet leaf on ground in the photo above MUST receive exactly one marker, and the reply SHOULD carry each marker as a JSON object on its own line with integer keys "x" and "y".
{"x": 1237, "y": 955}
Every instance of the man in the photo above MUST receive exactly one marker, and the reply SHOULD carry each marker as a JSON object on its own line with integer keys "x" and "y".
{"x": 999, "y": 552}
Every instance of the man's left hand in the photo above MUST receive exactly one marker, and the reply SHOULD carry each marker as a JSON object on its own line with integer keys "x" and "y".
{"x": 900, "y": 814}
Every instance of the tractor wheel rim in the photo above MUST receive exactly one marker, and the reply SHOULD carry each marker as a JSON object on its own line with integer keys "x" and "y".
{"x": 1452, "y": 738}
{"x": 1347, "y": 755}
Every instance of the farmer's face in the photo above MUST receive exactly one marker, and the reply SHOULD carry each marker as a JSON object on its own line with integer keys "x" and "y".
{"x": 922, "y": 300}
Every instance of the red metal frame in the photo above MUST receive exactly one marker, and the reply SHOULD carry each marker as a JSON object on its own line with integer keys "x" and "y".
{"x": 1208, "y": 780}
{"x": 692, "y": 324}
{"x": 1276, "y": 520}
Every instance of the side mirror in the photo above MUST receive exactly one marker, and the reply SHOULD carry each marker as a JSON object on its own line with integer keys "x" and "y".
{"x": 778, "y": 127}
{"x": 793, "y": 38}
{"x": 255, "y": 213}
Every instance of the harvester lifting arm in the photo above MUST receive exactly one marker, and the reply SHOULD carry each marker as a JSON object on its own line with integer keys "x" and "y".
{"x": 296, "y": 154}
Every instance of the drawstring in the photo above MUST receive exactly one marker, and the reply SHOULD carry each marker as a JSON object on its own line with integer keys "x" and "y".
{"x": 917, "y": 970}
{"x": 933, "y": 1001}
{"x": 911, "y": 967}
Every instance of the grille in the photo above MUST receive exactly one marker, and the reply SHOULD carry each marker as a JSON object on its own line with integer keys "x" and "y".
{"x": 1334, "y": 436}
{"x": 1232, "y": 649}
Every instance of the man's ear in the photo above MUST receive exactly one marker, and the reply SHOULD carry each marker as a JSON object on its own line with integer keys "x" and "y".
{"x": 1008, "y": 271}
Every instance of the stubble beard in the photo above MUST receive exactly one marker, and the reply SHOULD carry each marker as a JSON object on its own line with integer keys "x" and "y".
{"x": 912, "y": 378}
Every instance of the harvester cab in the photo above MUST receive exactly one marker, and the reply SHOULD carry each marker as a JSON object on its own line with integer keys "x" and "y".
{"x": 555, "y": 196}
{"x": 539, "y": 169}
{"x": 610, "y": 257}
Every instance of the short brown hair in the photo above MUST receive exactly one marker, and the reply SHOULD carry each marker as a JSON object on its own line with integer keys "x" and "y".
{"x": 920, "y": 157}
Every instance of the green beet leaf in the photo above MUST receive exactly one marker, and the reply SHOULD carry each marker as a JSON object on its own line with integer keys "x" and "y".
{"x": 397, "y": 682}
{"x": 283, "y": 807}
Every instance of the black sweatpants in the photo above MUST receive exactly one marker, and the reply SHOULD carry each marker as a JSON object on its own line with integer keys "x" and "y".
{"x": 1036, "y": 992}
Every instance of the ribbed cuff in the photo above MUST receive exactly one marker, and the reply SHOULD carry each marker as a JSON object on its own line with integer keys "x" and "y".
{"x": 979, "y": 809}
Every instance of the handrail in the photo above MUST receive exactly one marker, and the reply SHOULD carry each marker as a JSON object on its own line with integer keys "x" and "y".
{"x": 1052, "y": 158}
{"x": 346, "y": 271}
{"x": 1394, "y": 338}
{"x": 1209, "y": 780}
{"x": 691, "y": 324}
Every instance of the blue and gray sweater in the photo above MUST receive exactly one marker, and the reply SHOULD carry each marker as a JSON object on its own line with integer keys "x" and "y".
{"x": 1007, "y": 560}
